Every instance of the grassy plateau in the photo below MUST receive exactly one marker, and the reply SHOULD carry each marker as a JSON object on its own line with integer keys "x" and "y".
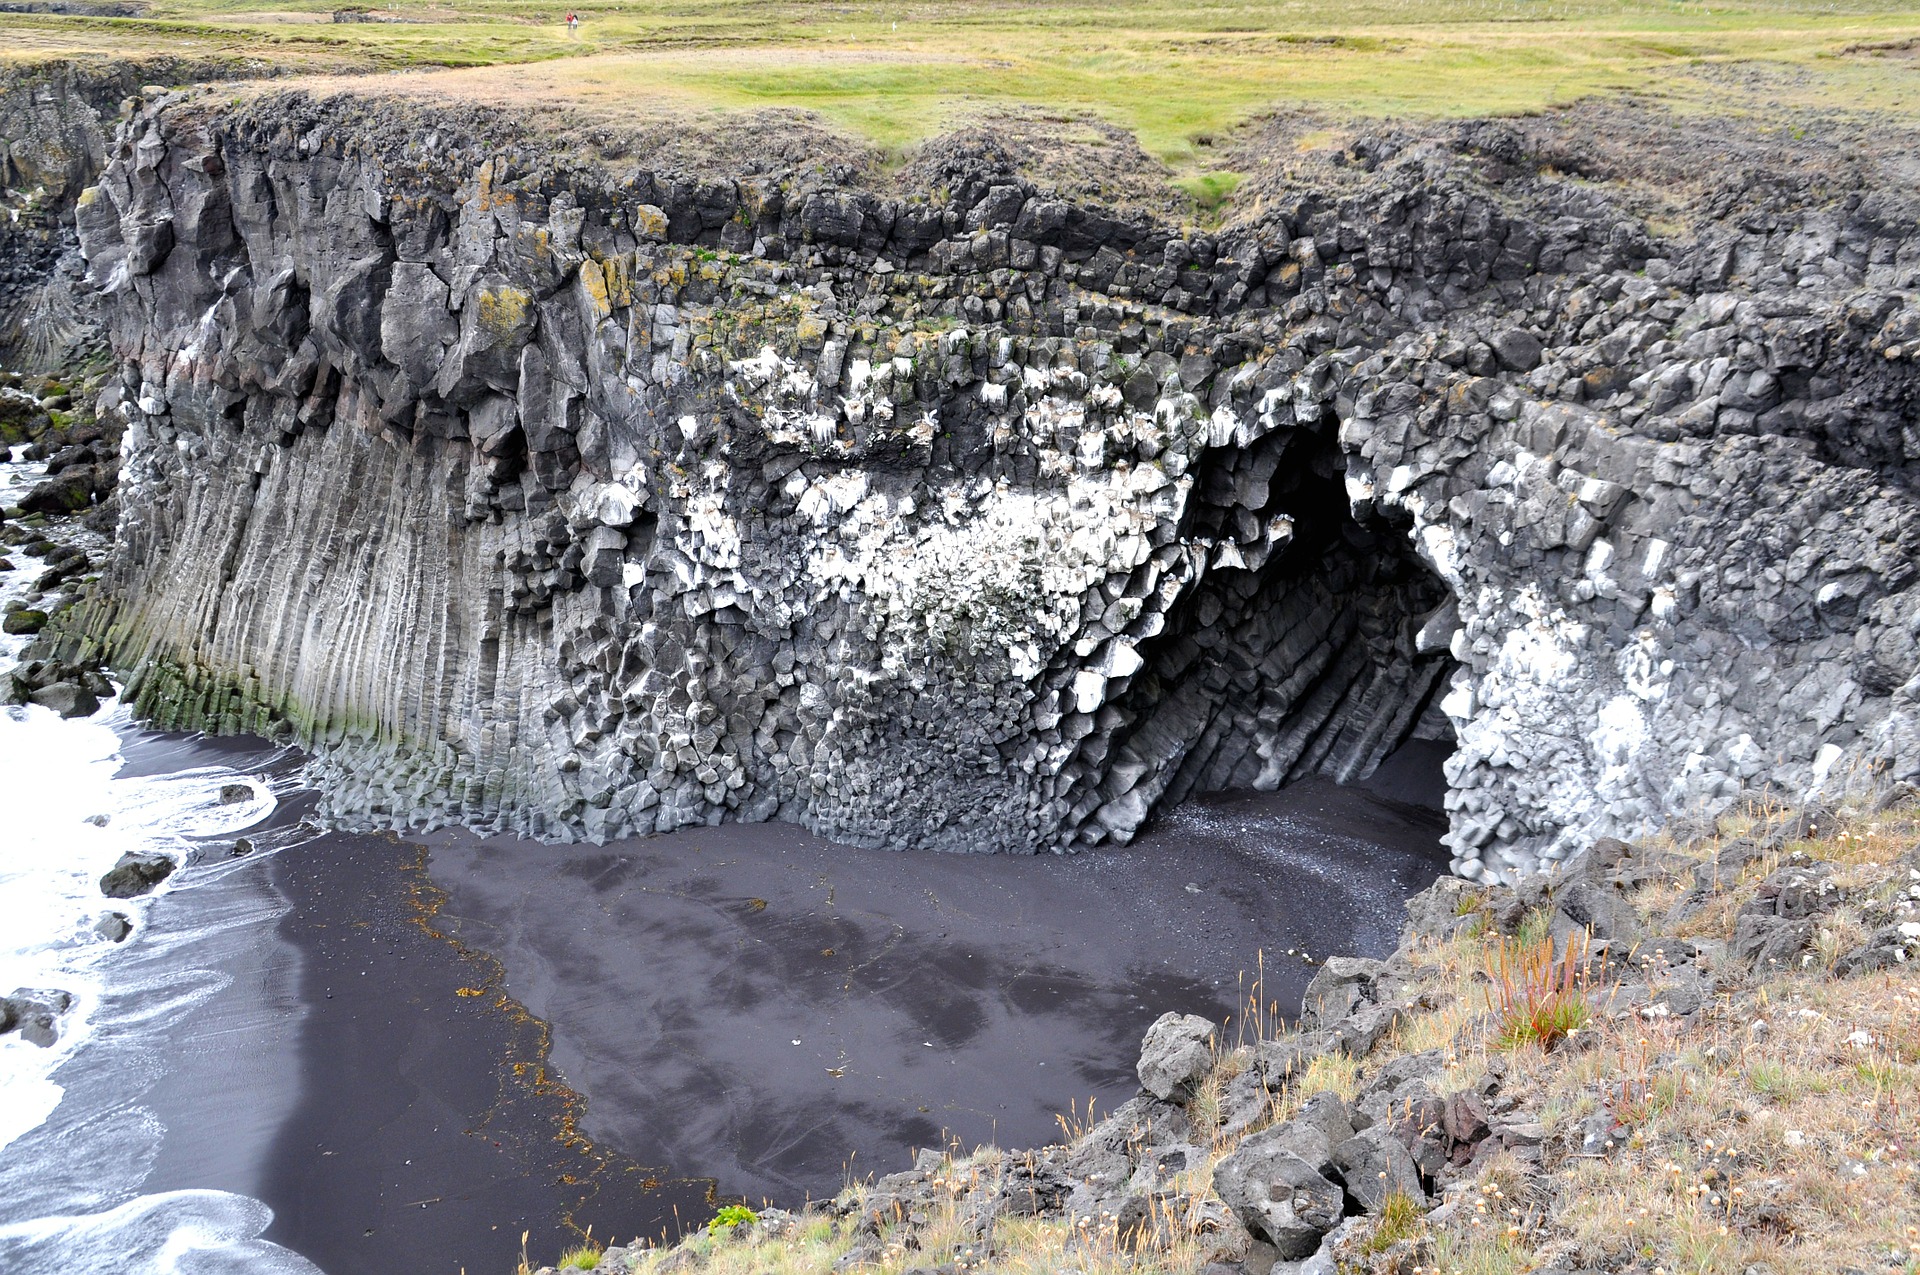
{"x": 1178, "y": 77}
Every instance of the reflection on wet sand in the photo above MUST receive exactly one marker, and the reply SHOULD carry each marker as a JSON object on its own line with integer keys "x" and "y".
{"x": 753, "y": 1003}
{"x": 475, "y": 1038}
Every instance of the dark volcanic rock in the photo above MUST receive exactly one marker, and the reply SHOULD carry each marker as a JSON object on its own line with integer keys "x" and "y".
{"x": 1517, "y": 350}
{"x": 1176, "y": 1054}
{"x": 24, "y": 621}
{"x": 1775, "y": 926}
{"x": 64, "y": 494}
{"x": 137, "y": 873}
{"x": 1278, "y": 1196}
{"x": 34, "y": 1014}
{"x": 69, "y": 699}
{"x": 1375, "y": 1165}
{"x": 1887, "y": 947}
{"x": 988, "y": 519}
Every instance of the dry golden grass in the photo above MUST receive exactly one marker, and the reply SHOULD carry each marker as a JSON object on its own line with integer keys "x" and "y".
{"x": 943, "y": 1235}
{"x": 1779, "y": 1130}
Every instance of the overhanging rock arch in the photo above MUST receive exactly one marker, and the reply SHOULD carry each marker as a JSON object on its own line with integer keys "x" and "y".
{"x": 1313, "y": 644}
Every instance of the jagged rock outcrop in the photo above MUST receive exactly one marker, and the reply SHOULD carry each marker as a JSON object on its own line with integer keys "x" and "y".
{"x": 543, "y": 496}
{"x": 57, "y": 120}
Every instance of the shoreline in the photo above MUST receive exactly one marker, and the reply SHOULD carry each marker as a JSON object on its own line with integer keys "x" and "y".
{"x": 166, "y": 1066}
{"x": 430, "y": 1071}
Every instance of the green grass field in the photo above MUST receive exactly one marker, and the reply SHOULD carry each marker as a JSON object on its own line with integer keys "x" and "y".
{"x": 1176, "y": 75}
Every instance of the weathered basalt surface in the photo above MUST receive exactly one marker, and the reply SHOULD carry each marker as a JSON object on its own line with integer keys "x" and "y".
{"x": 57, "y": 120}
{"x": 543, "y": 496}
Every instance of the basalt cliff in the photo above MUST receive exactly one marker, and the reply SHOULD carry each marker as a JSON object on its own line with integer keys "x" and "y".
{"x": 545, "y": 488}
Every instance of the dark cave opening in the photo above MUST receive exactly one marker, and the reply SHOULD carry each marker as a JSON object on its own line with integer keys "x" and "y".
{"x": 1313, "y": 645}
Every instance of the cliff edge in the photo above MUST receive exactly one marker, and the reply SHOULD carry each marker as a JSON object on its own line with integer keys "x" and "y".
{"x": 542, "y": 490}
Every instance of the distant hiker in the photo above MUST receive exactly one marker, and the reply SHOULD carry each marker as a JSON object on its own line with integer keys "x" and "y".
{"x": 573, "y": 23}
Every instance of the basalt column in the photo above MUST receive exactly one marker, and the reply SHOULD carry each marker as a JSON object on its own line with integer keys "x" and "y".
{"x": 1313, "y": 645}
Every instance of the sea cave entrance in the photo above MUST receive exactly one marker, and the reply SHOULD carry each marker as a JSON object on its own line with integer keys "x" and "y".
{"x": 1314, "y": 644}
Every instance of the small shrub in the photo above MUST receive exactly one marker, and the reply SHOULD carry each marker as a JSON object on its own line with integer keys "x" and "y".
{"x": 1536, "y": 928}
{"x": 730, "y": 1216}
{"x": 1539, "y": 993}
{"x": 1637, "y": 1101}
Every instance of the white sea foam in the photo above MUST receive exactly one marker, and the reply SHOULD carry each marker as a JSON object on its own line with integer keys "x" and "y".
{"x": 76, "y": 1147}
{"x": 189, "y": 1232}
{"x": 54, "y": 776}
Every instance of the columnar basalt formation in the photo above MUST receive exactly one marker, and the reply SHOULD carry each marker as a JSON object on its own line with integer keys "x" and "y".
{"x": 538, "y": 494}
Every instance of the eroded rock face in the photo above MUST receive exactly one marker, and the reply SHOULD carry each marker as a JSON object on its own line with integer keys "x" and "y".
{"x": 57, "y": 119}
{"x": 578, "y": 503}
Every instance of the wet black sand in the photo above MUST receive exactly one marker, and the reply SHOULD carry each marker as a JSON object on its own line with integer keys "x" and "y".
{"x": 497, "y": 1036}
{"x": 390, "y": 1122}
{"x": 429, "y": 1135}
{"x": 755, "y": 1004}
{"x": 243, "y": 1044}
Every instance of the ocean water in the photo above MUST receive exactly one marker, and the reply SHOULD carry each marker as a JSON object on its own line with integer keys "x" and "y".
{"x": 78, "y": 1142}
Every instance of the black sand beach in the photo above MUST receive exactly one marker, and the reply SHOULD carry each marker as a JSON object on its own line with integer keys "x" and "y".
{"x": 497, "y": 1036}
{"x": 756, "y": 1004}
{"x": 428, "y": 1136}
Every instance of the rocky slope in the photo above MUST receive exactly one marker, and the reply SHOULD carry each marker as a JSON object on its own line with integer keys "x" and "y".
{"x": 546, "y": 492}
{"x": 57, "y": 121}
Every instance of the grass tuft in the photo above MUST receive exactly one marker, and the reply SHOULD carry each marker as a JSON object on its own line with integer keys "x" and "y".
{"x": 1539, "y": 988}
{"x": 1400, "y": 1219}
{"x": 1211, "y": 192}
